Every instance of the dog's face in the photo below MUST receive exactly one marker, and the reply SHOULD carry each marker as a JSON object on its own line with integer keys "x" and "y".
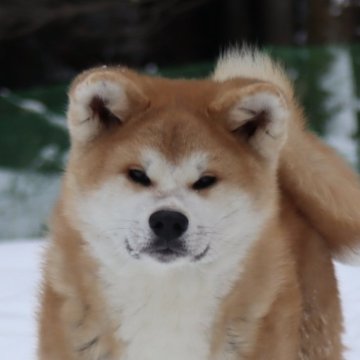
{"x": 165, "y": 173}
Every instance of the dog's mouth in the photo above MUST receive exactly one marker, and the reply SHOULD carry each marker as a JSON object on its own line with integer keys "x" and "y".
{"x": 202, "y": 254}
{"x": 165, "y": 252}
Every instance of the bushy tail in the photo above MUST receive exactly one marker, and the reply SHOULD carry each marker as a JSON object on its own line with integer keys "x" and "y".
{"x": 247, "y": 62}
{"x": 326, "y": 190}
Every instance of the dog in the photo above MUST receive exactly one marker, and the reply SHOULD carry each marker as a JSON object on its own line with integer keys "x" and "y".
{"x": 197, "y": 220}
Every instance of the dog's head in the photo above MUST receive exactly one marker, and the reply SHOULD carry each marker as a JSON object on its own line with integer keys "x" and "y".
{"x": 169, "y": 173}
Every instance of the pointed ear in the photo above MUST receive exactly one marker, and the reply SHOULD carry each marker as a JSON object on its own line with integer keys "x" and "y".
{"x": 101, "y": 100}
{"x": 257, "y": 113}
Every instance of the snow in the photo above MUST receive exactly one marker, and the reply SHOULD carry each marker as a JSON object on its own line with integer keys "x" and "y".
{"x": 341, "y": 105}
{"x": 26, "y": 200}
{"x": 19, "y": 284}
{"x": 34, "y": 106}
{"x": 349, "y": 280}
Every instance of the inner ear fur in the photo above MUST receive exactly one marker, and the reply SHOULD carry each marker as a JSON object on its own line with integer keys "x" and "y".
{"x": 102, "y": 99}
{"x": 257, "y": 113}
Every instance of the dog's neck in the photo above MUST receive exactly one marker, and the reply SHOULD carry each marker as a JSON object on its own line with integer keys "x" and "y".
{"x": 170, "y": 311}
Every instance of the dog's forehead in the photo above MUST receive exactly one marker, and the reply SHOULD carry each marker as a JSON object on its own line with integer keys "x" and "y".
{"x": 154, "y": 160}
{"x": 189, "y": 93}
{"x": 176, "y": 133}
{"x": 170, "y": 173}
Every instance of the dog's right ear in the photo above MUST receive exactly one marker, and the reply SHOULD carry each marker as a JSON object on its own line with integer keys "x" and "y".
{"x": 101, "y": 100}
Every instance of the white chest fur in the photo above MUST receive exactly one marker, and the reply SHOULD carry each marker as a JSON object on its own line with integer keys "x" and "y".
{"x": 167, "y": 315}
{"x": 170, "y": 322}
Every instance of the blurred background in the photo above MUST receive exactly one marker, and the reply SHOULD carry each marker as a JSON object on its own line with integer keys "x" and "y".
{"x": 45, "y": 43}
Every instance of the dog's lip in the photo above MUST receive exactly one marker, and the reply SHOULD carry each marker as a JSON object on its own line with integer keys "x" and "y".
{"x": 130, "y": 250}
{"x": 166, "y": 254}
{"x": 202, "y": 254}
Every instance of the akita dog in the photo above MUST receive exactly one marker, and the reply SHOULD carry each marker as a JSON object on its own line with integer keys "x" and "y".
{"x": 197, "y": 221}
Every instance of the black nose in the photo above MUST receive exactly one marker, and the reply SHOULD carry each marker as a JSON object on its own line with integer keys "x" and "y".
{"x": 168, "y": 225}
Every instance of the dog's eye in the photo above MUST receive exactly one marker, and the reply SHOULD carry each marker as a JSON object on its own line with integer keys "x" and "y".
{"x": 204, "y": 182}
{"x": 139, "y": 177}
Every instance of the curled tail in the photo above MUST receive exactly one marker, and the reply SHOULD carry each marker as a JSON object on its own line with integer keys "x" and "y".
{"x": 326, "y": 190}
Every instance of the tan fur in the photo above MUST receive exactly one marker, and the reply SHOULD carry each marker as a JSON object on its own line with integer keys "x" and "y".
{"x": 327, "y": 193}
{"x": 285, "y": 304}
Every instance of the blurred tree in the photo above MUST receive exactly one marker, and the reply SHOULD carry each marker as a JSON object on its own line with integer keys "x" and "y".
{"x": 333, "y": 21}
{"x": 47, "y": 41}
{"x": 59, "y": 38}
{"x": 278, "y": 22}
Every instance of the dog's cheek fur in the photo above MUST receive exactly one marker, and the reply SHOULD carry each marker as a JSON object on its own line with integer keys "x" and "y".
{"x": 110, "y": 214}
{"x": 225, "y": 216}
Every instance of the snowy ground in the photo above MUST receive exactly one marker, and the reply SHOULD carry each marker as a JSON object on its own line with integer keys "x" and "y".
{"x": 19, "y": 282}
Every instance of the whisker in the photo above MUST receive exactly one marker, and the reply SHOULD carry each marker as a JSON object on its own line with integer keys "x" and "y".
{"x": 226, "y": 216}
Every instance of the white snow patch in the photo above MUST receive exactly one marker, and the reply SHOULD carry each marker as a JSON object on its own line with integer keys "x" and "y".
{"x": 19, "y": 286}
{"x": 57, "y": 120}
{"x": 341, "y": 105}
{"x": 26, "y": 200}
{"x": 32, "y": 105}
{"x": 349, "y": 281}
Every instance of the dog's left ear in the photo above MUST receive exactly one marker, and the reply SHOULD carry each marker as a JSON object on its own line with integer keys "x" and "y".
{"x": 258, "y": 113}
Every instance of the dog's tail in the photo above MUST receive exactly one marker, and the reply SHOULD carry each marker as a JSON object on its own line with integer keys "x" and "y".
{"x": 326, "y": 191}
{"x": 315, "y": 178}
{"x": 248, "y": 62}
